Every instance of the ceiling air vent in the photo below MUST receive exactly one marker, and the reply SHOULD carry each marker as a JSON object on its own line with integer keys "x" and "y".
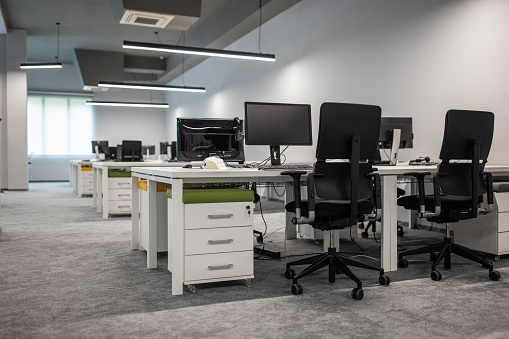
{"x": 146, "y": 19}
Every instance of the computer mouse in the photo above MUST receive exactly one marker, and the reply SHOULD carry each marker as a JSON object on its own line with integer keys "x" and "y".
{"x": 188, "y": 166}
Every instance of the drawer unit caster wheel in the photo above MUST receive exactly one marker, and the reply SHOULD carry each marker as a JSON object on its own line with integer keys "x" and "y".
{"x": 494, "y": 275}
{"x": 248, "y": 282}
{"x": 190, "y": 288}
{"x": 436, "y": 275}
{"x": 296, "y": 289}
{"x": 384, "y": 280}
{"x": 403, "y": 263}
{"x": 289, "y": 274}
{"x": 357, "y": 293}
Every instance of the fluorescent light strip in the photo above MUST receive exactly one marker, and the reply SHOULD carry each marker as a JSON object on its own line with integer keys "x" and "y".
{"x": 36, "y": 65}
{"x": 126, "y": 104}
{"x": 198, "y": 51}
{"x": 152, "y": 87}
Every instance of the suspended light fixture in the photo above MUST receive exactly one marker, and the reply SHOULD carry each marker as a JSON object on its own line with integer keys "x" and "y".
{"x": 127, "y": 104}
{"x": 151, "y": 87}
{"x": 35, "y": 65}
{"x": 198, "y": 51}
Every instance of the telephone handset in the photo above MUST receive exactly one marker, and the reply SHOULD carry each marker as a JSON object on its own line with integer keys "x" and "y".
{"x": 214, "y": 162}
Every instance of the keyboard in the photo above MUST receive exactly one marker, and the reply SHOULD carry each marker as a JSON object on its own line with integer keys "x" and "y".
{"x": 304, "y": 167}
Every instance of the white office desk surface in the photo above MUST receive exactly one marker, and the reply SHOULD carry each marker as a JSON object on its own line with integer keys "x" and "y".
{"x": 100, "y": 179}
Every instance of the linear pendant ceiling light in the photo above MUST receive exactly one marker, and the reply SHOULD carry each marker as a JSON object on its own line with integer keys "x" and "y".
{"x": 198, "y": 51}
{"x": 127, "y": 104}
{"x": 151, "y": 87}
{"x": 35, "y": 65}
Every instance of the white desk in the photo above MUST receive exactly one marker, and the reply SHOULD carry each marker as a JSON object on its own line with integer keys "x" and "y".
{"x": 101, "y": 184}
{"x": 81, "y": 181}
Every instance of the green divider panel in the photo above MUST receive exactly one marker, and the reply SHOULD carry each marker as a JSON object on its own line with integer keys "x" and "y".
{"x": 118, "y": 174}
{"x": 212, "y": 195}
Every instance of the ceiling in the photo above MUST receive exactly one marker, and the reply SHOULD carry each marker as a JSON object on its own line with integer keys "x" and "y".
{"x": 91, "y": 25}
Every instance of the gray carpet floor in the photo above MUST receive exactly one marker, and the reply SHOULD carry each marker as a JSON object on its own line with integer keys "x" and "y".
{"x": 66, "y": 273}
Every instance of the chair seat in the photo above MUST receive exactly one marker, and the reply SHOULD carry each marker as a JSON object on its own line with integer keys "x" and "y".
{"x": 330, "y": 211}
{"x": 453, "y": 208}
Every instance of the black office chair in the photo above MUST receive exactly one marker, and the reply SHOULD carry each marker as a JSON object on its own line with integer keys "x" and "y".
{"x": 348, "y": 132}
{"x": 458, "y": 187}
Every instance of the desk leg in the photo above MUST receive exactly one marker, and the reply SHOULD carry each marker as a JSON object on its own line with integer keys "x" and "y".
{"x": 291, "y": 229}
{"x": 176, "y": 238}
{"x": 135, "y": 214}
{"x": 104, "y": 198}
{"x": 389, "y": 223}
{"x": 152, "y": 224}
{"x": 95, "y": 179}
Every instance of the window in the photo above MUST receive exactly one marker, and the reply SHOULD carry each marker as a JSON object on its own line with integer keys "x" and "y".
{"x": 58, "y": 125}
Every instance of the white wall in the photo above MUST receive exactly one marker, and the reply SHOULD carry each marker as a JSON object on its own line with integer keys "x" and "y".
{"x": 414, "y": 58}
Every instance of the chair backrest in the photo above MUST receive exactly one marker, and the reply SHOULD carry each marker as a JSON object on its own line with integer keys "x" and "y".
{"x": 465, "y": 148}
{"x": 348, "y": 132}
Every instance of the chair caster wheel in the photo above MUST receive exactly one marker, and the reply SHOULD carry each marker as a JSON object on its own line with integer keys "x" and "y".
{"x": 403, "y": 263}
{"x": 190, "y": 288}
{"x": 296, "y": 289}
{"x": 289, "y": 274}
{"x": 364, "y": 234}
{"x": 357, "y": 293}
{"x": 384, "y": 280}
{"x": 494, "y": 275}
{"x": 436, "y": 275}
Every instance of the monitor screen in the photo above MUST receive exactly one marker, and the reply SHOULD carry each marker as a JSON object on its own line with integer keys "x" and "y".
{"x": 147, "y": 150}
{"x": 113, "y": 153}
{"x": 131, "y": 150}
{"x": 388, "y": 125}
{"x": 198, "y": 139}
{"x": 278, "y": 124}
{"x": 102, "y": 147}
{"x": 172, "y": 145}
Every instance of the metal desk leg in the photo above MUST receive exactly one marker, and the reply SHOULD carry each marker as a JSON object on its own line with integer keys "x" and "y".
{"x": 389, "y": 223}
{"x": 135, "y": 214}
{"x": 176, "y": 238}
{"x": 152, "y": 224}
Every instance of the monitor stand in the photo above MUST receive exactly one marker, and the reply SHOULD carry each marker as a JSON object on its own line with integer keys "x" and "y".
{"x": 396, "y": 137}
{"x": 275, "y": 155}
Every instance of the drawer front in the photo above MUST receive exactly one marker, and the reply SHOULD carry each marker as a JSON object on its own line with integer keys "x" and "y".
{"x": 503, "y": 201}
{"x": 119, "y": 182}
{"x": 87, "y": 175}
{"x": 119, "y": 206}
{"x": 216, "y": 240}
{"x": 218, "y": 266}
{"x": 119, "y": 194}
{"x": 87, "y": 189}
{"x": 503, "y": 222}
{"x": 87, "y": 181}
{"x": 218, "y": 215}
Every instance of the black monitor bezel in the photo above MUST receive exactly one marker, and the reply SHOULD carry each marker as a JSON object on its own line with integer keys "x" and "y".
{"x": 388, "y": 124}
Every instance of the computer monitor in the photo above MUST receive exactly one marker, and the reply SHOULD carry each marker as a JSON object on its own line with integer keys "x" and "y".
{"x": 277, "y": 124}
{"x": 198, "y": 139}
{"x": 131, "y": 150}
{"x": 395, "y": 133}
{"x": 113, "y": 153}
{"x": 148, "y": 150}
{"x": 169, "y": 148}
{"x": 100, "y": 147}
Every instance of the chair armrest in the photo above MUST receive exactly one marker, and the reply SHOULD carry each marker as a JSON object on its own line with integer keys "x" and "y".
{"x": 422, "y": 213}
{"x": 377, "y": 195}
{"x": 488, "y": 177}
{"x": 296, "y": 175}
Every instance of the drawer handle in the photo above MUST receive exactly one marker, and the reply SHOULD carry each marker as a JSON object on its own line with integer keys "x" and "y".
{"x": 221, "y": 267}
{"x": 124, "y": 183}
{"x": 220, "y": 216}
{"x": 124, "y": 206}
{"x": 217, "y": 242}
{"x": 123, "y": 195}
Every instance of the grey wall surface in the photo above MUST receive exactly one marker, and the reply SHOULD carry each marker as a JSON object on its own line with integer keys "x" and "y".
{"x": 413, "y": 58}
